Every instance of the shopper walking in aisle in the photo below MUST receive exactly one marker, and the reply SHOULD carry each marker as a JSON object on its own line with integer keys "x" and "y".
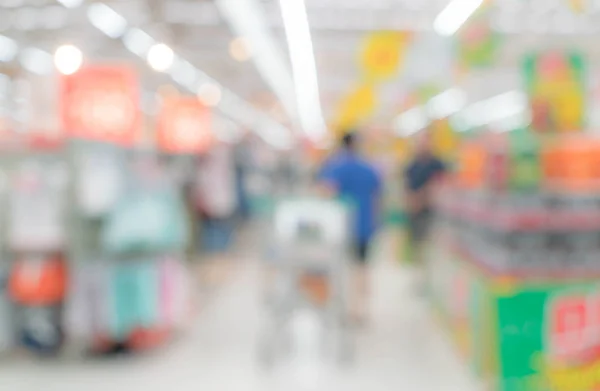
{"x": 351, "y": 177}
{"x": 420, "y": 178}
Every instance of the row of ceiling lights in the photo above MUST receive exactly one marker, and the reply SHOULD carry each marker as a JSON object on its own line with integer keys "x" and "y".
{"x": 162, "y": 58}
{"x": 504, "y": 112}
{"x": 68, "y": 59}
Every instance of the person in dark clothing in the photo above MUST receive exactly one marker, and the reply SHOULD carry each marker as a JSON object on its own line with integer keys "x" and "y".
{"x": 420, "y": 178}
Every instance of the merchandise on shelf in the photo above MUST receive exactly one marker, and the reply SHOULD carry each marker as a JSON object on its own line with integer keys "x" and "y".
{"x": 515, "y": 263}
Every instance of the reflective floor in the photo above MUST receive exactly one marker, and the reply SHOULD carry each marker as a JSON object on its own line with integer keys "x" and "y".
{"x": 401, "y": 349}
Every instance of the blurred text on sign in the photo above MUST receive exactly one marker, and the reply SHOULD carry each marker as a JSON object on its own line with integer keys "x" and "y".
{"x": 101, "y": 103}
{"x": 184, "y": 126}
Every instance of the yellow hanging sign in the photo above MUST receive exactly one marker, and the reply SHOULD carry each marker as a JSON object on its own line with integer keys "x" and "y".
{"x": 356, "y": 107}
{"x": 382, "y": 54}
{"x": 577, "y": 6}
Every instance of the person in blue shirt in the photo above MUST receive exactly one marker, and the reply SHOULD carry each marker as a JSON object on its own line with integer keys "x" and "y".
{"x": 352, "y": 178}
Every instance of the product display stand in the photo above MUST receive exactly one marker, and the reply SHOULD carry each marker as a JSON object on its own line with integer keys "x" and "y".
{"x": 131, "y": 285}
{"x": 514, "y": 278}
{"x": 35, "y": 243}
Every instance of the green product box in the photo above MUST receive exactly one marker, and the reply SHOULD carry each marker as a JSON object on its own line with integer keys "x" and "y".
{"x": 520, "y": 335}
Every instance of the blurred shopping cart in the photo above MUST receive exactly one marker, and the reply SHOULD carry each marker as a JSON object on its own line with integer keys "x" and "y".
{"x": 308, "y": 270}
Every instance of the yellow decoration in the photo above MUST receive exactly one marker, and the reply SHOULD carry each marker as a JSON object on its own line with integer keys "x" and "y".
{"x": 356, "y": 107}
{"x": 577, "y": 6}
{"x": 382, "y": 54}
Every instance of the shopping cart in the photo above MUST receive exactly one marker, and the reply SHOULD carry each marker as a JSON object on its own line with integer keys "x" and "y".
{"x": 309, "y": 266}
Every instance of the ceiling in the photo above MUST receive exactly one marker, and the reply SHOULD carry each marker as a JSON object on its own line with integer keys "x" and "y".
{"x": 199, "y": 33}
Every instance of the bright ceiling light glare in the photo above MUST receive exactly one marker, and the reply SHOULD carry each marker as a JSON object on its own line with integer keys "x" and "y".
{"x": 137, "y": 41}
{"x": 71, "y": 3}
{"x": 210, "y": 94}
{"x": 68, "y": 59}
{"x": 36, "y": 61}
{"x": 447, "y": 103}
{"x": 239, "y": 49}
{"x": 494, "y": 109}
{"x": 8, "y": 49}
{"x": 304, "y": 68}
{"x": 411, "y": 122}
{"x": 106, "y": 20}
{"x": 160, "y": 57}
{"x": 456, "y": 13}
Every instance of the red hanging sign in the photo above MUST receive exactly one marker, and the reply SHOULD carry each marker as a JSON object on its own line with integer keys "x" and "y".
{"x": 184, "y": 126}
{"x": 101, "y": 103}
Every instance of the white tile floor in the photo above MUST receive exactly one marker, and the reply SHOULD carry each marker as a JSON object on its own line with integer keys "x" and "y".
{"x": 402, "y": 349}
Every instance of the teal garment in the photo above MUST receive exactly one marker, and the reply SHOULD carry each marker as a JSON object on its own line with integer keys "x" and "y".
{"x": 146, "y": 222}
{"x": 148, "y": 287}
{"x": 135, "y": 298}
{"x": 124, "y": 301}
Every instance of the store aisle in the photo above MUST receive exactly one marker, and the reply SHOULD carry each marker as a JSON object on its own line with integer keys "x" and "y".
{"x": 401, "y": 350}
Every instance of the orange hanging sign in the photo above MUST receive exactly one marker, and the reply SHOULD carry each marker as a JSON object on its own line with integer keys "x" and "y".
{"x": 184, "y": 126}
{"x": 101, "y": 103}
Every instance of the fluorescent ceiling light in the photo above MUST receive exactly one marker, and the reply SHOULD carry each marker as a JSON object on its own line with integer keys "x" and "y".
{"x": 36, "y": 61}
{"x": 71, "y": 3}
{"x": 247, "y": 20}
{"x": 304, "y": 68}
{"x": 447, "y": 103}
{"x": 456, "y": 13}
{"x": 68, "y": 59}
{"x": 8, "y": 49}
{"x": 137, "y": 41}
{"x": 411, "y": 122}
{"x": 106, "y": 20}
{"x": 160, "y": 57}
{"x": 495, "y": 109}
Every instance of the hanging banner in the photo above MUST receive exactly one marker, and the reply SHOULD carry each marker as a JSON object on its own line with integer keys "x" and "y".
{"x": 577, "y": 6}
{"x": 478, "y": 43}
{"x": 383, "y": 54}
{"x": 101, "y": 103}
{"x": 184, "y": 126}
{"x": 356, "y": 107}
{"x": 556, "y": 83}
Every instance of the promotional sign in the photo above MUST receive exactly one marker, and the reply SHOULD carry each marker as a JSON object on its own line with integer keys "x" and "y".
{"x": 556, "y": 85}
{"x": 477, "y": 42}
{"x": 383, "y": 54}
{"x": 356, "y": 107}
{"x": 560, "y": 350}
{"x": 101, "y": 103}
{"x": 184, "y": 126}
{"x": 577, "y": 6}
